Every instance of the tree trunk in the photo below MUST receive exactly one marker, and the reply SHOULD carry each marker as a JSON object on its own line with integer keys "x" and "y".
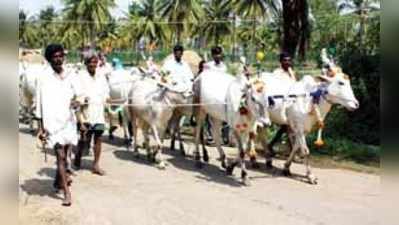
{"x": 295, "y": 27}
{"x": 234, "y": 39}
{"x": 92, "y": 36}
{"x": 253, "y": 37}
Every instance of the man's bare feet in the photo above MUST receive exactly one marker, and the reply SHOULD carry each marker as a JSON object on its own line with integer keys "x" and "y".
{"x": 98, "y": 171}
{"x": 67, "y": 200}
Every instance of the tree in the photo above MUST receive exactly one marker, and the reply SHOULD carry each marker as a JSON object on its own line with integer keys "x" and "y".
{"x": 87, "y": 17}
{"x": 255, "y": 10}
{"x": 364, "y": 9}
{"x": 148, "y": 21}
{"x": 47, "y": 21}
{"x": 296, "y": 27}
{"x": 22, "y": 25}
{"x": 28, "y": 31}
{"x": 181, "y": 13}
{"x": 216, "y": 25}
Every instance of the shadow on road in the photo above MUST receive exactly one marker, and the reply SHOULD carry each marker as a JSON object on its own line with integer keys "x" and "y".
{"x": 208, "y": 172}
{"x": 40, "y": 187}
{"x": 277, "y": 172}
{"x": 129, "y": 156}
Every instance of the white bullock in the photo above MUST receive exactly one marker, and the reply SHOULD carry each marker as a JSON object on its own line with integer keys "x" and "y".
{"x": 239, "y": 102}
{"x": 29, "y": 75}
{"x": 306, "y": 103}
{"x": 152, "y": 103}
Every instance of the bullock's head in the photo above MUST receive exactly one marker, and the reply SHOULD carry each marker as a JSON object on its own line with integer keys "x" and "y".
{"x": 175, "y": 90}
{"x": 257, "y": 101}
{"x": 339, "y": 90}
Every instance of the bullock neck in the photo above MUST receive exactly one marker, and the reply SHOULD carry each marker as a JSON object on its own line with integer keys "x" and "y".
{"x": 323, "y": 105}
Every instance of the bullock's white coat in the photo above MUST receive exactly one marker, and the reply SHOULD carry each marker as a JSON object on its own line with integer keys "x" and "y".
{"x": 300, "y": 112}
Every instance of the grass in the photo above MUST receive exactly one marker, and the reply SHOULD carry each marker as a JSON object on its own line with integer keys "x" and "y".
{"x": 340, "y": 153}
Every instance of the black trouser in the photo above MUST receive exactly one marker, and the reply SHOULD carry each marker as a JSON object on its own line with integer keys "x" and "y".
{"x": 95, "y": 131}
{"x": 277, "y": 137}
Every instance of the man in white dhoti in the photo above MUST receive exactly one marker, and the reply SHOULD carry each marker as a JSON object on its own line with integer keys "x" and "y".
{"x": 55, "y": 102}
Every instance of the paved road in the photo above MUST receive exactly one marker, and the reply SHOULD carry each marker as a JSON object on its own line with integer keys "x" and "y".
{"x": 135, "y": 192}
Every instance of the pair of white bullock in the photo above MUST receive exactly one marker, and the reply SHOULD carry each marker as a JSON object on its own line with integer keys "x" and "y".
{"x": 301, "y": 105}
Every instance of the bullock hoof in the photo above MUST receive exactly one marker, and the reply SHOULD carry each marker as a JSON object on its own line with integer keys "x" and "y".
{"x": 287, "y": 173}
{"x": 312, "y": 179}
{"x": 244, "y": 179}
{"x": 161, "y": 165}
{"x": 269, "y": 165}
{"x": 254, "y": 163}
{"x": 151, "y": 158}
{"x": 229, "y": 170}
{"x": 136, "y": 154}
{"x": 206, "y": 156}
{"x": 197, "y": 157}
{"x": 199, "y": 164}
{"x": 223, "y": 164}
{"x": 183, "y": 153}
{"x": 246, "y": 182}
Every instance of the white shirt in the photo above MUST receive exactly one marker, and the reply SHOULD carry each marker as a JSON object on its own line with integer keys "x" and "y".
{"x": 282, "y": 73}
{"x": 180, "y": 72}
{"x": 96, "y": 89}
{"x": 105, "y": 69}
{"x": 54, "y": 95}
{"x": 221, "y": 67}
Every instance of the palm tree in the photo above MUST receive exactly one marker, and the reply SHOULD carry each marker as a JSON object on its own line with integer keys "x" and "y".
{"x": 47, "y": 19}
{"x": 28, "y": 31}
{"x": 255, "y": 10}
{"x": 88, "y": 17}
{"x": 181, "y": 13}
{"x": 216, "y": 25}
{"x": 148, "y": 22}
{"x": 22, "y": 25}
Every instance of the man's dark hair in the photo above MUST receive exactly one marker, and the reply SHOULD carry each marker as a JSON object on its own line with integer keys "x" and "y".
{"x": 51, "y": 49}
{"x": 216, "y": 50}
{"x": 89, "y": 55}
{"x": 284, "y": 55}
{"x": 178, "y": 48}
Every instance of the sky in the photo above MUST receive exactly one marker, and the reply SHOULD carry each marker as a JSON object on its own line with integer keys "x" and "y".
{"x": 34, "y": 6}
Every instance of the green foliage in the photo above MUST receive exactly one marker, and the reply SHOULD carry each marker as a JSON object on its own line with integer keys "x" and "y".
{"x": 343, "y": 149}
